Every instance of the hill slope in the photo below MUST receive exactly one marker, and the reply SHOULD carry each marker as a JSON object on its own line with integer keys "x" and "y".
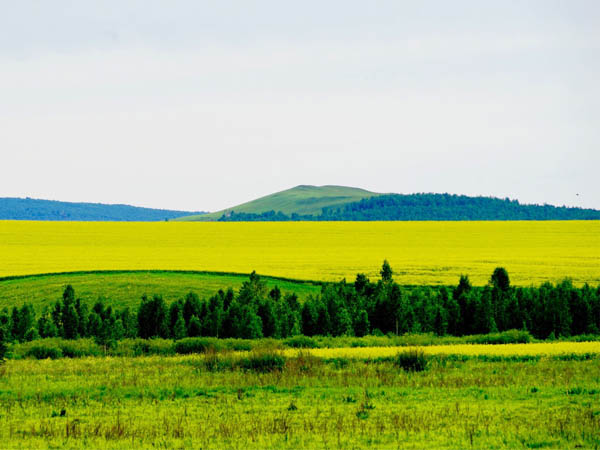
{"x": 302, "y": 200}
{"x": 125, "y": 288}
{"x": 34, "y": 209}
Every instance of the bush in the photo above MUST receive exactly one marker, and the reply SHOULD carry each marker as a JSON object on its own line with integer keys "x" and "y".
{"x": 413, "y": 360}
{"x": 238, "y": 345}
{"x": 188, "y": 346}
{"x": 44, "y": 351}
{"x": 79, "y": 348}
{"x": 141, "y": 347}
{"x": 506, "y": 337}
{"x": 300, "y": 342}
{"x": 263, "y": 362}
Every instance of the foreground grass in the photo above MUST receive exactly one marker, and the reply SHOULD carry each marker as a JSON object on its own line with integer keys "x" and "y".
{"x": 125, "y": 288}
{"x": 173, "y": 402}
{"x": 424, "y": 253}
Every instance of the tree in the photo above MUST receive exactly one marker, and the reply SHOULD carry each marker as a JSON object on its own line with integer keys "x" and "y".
{"x": 500, "y": 280}
{"x": 361, "y": 324}
{"x": 3, "y": 346}
{"x": 153, "y": 318}
{"x": 179, "y": 331}
{"x": 70, "y": 321}
{"x": 310, "y": 317}
{"x": 46, "y": 327}
{"x": 194, "y": 327}
{"x": 191, "y": 307}
{"x": 386, "y": 272}
{"x": 68, "y": 294}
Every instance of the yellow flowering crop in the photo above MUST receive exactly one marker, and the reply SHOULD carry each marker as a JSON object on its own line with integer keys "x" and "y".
{"x": 419, "y": 252}
{"x": 536, "y": 349}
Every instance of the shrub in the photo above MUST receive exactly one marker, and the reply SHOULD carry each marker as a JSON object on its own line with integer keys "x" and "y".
{"x": 506, "y": 337}
{"x": 79, "y": 348}
{"x": 139, "y": 347}
{"x": 238, "y": 345}
{"x": 412, "y": 360}
{"x": 44, "y": 351}
{"x": 263, "y": 362}
{"x": 188, "y": 346}
{"x": 300, "y": 342}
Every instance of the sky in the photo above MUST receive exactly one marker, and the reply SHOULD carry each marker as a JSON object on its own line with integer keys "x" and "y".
{"x": 201, "y": 105}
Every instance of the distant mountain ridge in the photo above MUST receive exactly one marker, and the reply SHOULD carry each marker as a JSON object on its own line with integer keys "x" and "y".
{"x": 12, "y": 208}
{"x": 339, "y": 203}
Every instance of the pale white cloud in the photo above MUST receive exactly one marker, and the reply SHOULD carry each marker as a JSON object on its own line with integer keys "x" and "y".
{"x": 150, "y": 107}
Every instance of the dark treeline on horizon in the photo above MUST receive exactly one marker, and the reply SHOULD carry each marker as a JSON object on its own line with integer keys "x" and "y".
{"x": 35, "y": 209}
{"x": 426, "y": 207}
{"x": 353, "y": 309}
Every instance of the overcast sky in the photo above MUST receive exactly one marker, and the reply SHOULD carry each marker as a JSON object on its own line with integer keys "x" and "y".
{"x": 201, "y": 105}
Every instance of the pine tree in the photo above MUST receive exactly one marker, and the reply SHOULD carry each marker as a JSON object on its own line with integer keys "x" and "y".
{"x": 386, "y": 272}
{"x": 361, "y": 324}
{"x": 3, "y": 346}
{"x": 70, "y": 321}
{"x": 194, "y": 327}
{"x": 179, "y": 331}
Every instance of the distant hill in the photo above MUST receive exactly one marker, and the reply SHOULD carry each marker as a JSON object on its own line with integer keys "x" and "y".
{"x": 33, "y": 209}
{"x": 301, "y": 200}
{"x": 338, "y": 203}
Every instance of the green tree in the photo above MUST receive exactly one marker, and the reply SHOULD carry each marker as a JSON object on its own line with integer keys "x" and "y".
{"x": 3, "y": 346}
{"x": 500, "y": 280}
{"x": 194, "y": 327}
{"x": 179, "y": 331}
{"x": 153, "y": 318}
{"x": 46, "y": 327}
{"x": 191, "y": 307}
{"x": 361, "y": 323}
{"x": 70, "y": 321}
{"x": 386, "y": 272}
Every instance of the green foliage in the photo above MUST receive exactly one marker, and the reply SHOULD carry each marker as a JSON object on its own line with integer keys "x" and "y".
{"x": 300, "y": 342}
{"x": 339, "y": 310}
{"x": 44, "y": 351}
{"x": 3, "y": 346}
{"x": 263, "y": 361}
{"x": 198, "y": 345}
{"x": 386, "y": 272}
{"x": 152, "y": 318}
{"x": 412, "y": 360}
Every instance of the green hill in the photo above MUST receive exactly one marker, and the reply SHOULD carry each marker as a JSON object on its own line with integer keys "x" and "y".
{"x": 303, "y": 200}
{"x": 125, "y": 288}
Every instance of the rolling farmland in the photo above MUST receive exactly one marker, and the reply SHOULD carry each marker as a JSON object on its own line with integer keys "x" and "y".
{"x": 426, "y": 253}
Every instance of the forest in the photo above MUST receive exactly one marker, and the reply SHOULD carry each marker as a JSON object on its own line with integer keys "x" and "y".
{"x": 361, "y": 308}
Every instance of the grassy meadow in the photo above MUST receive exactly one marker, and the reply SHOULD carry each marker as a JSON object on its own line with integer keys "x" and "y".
{"x": 124, "y": 289}
{"x": 306, "y": 402}
{"x": 425, "y": 253}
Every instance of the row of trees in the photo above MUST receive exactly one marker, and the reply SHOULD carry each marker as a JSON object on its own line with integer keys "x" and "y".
{"x": 359, "y": 308}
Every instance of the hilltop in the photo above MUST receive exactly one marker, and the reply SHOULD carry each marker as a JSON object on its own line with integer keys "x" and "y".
{"x": 339, "y": 203}
{"x": 302, "y": 200}
{"x": 34, "y": 209}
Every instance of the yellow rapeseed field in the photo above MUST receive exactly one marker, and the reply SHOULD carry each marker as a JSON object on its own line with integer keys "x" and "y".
{"x": 419, "y": 252}
{"x": 535, "y": 349}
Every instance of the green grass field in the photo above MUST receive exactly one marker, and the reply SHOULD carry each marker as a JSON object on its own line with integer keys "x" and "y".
{"x": 126, "y": 288}
{"x": 189, "y": 402}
